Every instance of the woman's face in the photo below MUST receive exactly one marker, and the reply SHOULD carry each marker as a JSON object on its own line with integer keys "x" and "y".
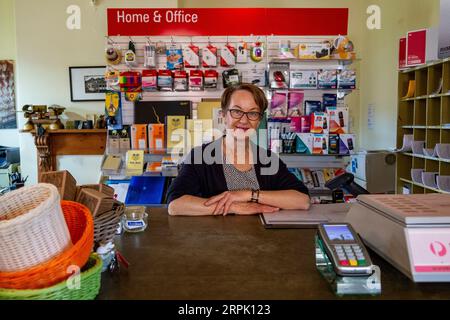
{"x": 243, "y": 127}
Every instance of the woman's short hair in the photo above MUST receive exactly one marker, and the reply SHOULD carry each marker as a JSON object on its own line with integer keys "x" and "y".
{"x": 257, "y": 93}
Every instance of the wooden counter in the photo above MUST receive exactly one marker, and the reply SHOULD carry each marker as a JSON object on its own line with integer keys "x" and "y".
{"x": 233, "y": 257}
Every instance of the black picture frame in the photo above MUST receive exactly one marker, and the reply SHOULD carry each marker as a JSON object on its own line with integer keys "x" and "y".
{"x": 87, "y": 83}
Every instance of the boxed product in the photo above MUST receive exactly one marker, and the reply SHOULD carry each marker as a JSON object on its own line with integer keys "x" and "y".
{"x": 113, "y": 142}
{"x": 304, "y": 143}
{"x": 312, "y": 106}
{"x": 180, "y": 82}
{"x": 327, "y": 79}
{"x": 279, "y": 75}
{"x": 329, "y": 100}
{"x": 200, "y": 132}
{"x": 196, "y": 80}
{"x": 124, "y": 139}
{"x": 295, "y": 104}
{"x": 209, "y": 56}
{"x": 314, "y": 50}
{"x": 156, "y": 138}
{"x": 319, "y": 122}
{"x": 320, "y": 143}
{"x": 211, "y": 77}
{"x": 174, "y": 57}
{"x": 191, "y": 56}
{"x": 279, "y": 105}
{"x": 255, "y": 76}
{"x": 347, "y": 79}
{"x": 230, "y": 78}
{"x": 165, "y": 80}
{"x": 303, "y": 79}
{"x": 242, "y": 52}
{"x": 130, "y": 81}
{"x": 135, "y": 162}
{"x": 347, "y": 144}
{"x": 305, "y": 124}
{"x": 338, "y": 119}
{"x": 176, "y": 126}
{"x": 139, "y": 137}
{"x": 333, "y": 144}
{"x": 149, "y": 80}
{"x": 227, "y": 56}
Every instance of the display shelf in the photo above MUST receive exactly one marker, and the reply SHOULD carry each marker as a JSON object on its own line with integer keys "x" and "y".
{"x": 426, "y": 116}
{"x": 315, "y": 161}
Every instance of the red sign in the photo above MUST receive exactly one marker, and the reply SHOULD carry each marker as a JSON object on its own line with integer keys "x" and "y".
{"x": 228, "y": 21}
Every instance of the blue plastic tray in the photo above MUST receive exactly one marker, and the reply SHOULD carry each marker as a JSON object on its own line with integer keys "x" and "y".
{"x": 145, "y": 191}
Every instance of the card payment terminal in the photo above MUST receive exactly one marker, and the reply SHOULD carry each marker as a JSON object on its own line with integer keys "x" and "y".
{"x": 345, "y": 249}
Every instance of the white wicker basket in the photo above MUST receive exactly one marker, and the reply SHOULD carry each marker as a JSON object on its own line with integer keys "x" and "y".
{"x": 32, "y": 227}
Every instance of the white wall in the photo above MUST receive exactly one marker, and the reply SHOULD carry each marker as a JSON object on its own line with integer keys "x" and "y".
{"x": 8, "y": 137}
{"x": 45, "y": 50}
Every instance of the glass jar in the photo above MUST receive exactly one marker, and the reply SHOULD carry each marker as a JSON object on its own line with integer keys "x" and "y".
{"x": 134, "y": 219}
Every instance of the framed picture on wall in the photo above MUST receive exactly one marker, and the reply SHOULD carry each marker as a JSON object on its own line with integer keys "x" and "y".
{"x": 7, "y": 95}
{"x": 87, "y": 83}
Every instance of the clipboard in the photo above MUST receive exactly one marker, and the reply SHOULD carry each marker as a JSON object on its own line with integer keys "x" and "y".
{"x": 310, "y": 219}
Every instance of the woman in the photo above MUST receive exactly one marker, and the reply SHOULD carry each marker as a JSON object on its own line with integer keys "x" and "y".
{"x": 239, "y": 180}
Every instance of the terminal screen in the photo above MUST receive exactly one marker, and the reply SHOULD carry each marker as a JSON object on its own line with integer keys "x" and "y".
{"x": 338, "y": 233}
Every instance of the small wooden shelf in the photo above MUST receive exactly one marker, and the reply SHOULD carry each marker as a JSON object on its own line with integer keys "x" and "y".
{"x": 423, "y": 186}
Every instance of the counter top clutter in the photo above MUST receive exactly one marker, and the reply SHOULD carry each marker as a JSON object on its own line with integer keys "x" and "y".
{"x": 42, "y": 237}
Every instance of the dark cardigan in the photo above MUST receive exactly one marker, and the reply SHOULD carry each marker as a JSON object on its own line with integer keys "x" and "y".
{"x": 206, "y": 180}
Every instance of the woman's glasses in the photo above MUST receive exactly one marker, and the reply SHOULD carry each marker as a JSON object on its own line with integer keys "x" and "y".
{"x": 238, "y": 114}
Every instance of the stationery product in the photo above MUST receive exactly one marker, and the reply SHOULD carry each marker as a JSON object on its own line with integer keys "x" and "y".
{"x": 156, "y": 138}
{"x": 304, "y": 143}
{"x": 211, "y": 78}
{"x": 333, "y": 145}
{"x": 314, "y": 50}
{"x": 130, "y": 55}
{"x": 205, "y": 109}
{"x": 139, "y": 137}
{"x": 347, "y": 144}
{"x": 130, "y": 81}
{"x": 402, "y": 53}
{"x": 305, "y": 124}
{"x": 255, "y": 76}
{"x": 150, "y": 55}
{"x": 176, "y": 131}
{"x": 257, "y": 52}
{"x": 274, "y": 131}
{"x": 295, "y": 124}
{"x": 338, "y": 119}
{"x": 199, "y": 132}
{"x": 320, "y": 144}
{"x": 279, "y": 105}
{"x": 327, "y": 79}
{"x": 112, "y": 163}
{"x": 174, "y": 57}
{"x": 319, "y": 122}
{"x": 112, "y": 80}
{"x": 285, "y": 49}
{"x": 421, "y": 46}
{"x": 191, "y": 55}
{"x": 113, "y": 110}
{"x": 279, "y": 75}
{"x": 165, "y": 80}
{"x": 295, "y": 104}
{"x": 242, "y": 53}
{"x": 329, "y": 100}
{"x": 312, "y": 106}
{"x": 230, "y": 78}
{"x": 196, "y": 80}
{"x": 218, "y": 122}
{"x": 124, "y": 139}
{"x": 411, "y": 89}
{"x": 347, "y": 79}
{"x": 113, "y": 142}
{"x": 227, "y": 56}
{"x": 303, "y": 79}
{"x": 180, "y": 81}
{"x": 149, "y": 80}
{"x": 209, "y": 56}
{"x": 135, "y": 162}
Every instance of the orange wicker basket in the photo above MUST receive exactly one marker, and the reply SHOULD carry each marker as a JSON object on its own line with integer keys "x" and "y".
{"x": 81, "y": 227}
